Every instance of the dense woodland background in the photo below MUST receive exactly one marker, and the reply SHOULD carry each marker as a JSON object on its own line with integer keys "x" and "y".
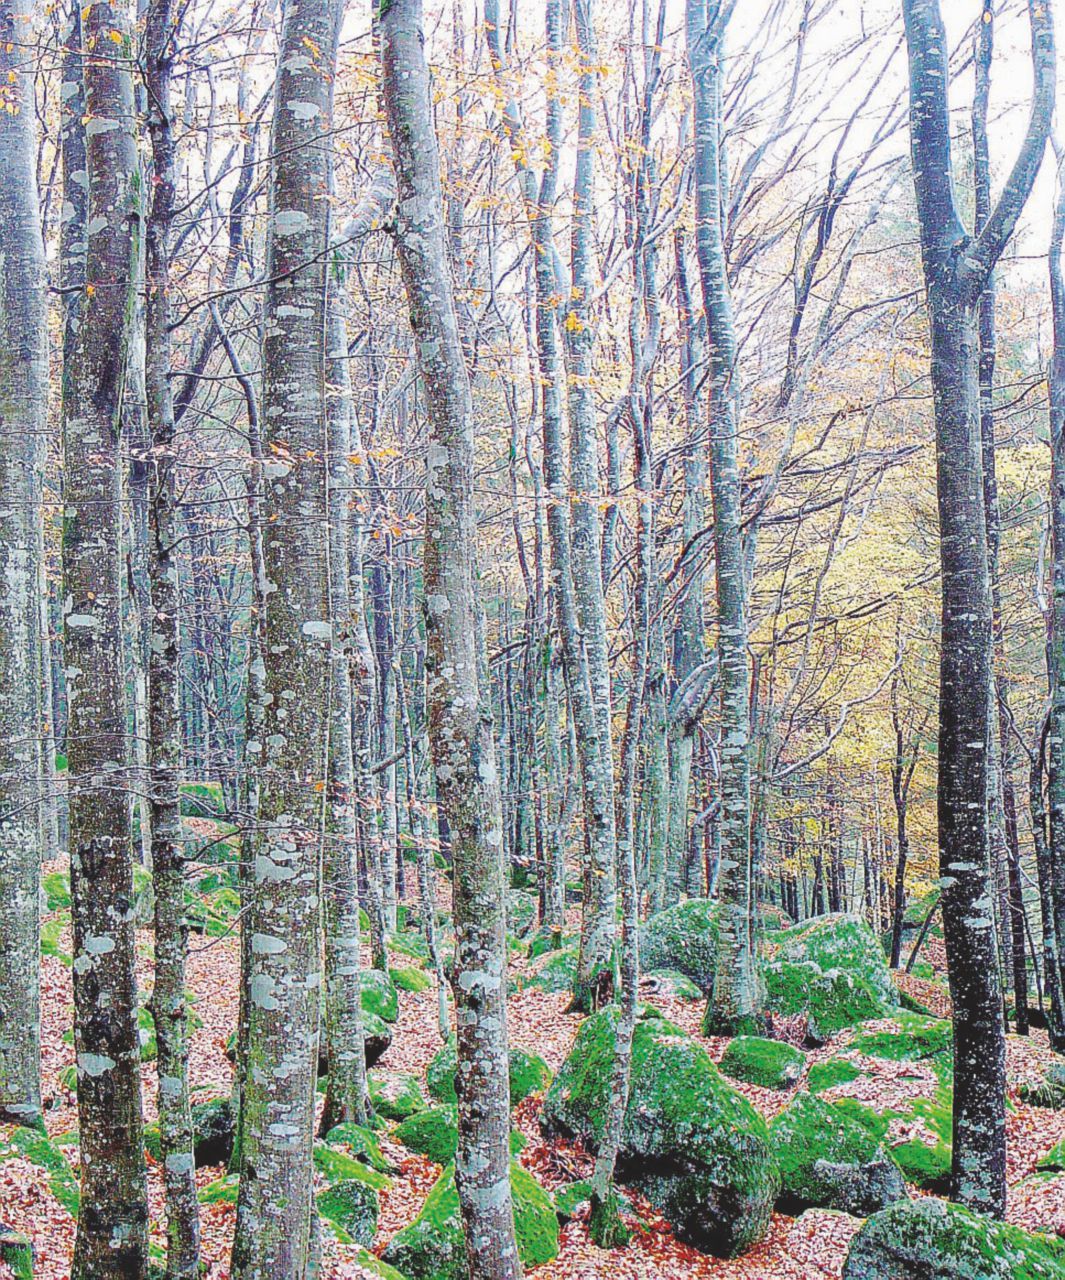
{"x": 532, "y": 639}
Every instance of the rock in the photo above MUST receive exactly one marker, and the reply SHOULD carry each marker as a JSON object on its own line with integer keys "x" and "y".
{"x": 830, "y": 1161}
{"x": 529, "y": 1073}
{"x": 351, "y": 1208}
{"x": 918, "y": 1038}
{"x": 826, "y": 1075}
{"x": 683, "y": 938}
{"x": 557, "y": 972}
{"x": 1054, "y": 1160}
{"x": 833, "y": 970}
{"x": 521, "y": 912}
{"x": 337, "y": 1166}
{"x": 1048, "y": 1092}
{"x": 930, "y": 1239}
{"x": 361, "y": 1142}
{"x": 547, "y": 939}
{"x": 768, "y": 1063}
{"x": 696, "y": 1148}
{"x": 214, "y": 1124}
{"x": 435, "y": 1133}
{"x": 395, "y": 1095}
{"x": 410, "y": 979}
{"x": 925, "y": 1164}
{"x": 669, "y": 982}
{"x": 376, "y": 1040}
{"x": 432, "y": 1247}
{"x": 379, "y": 995}
{"x": 16, "y": 1250}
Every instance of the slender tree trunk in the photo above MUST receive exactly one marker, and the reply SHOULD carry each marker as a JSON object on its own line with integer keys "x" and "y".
{"x": 956, "y": 269}
{"x": 23, "y": 430}
{"x": 112, "y": 1236}
{"x": 737, "y": 998}
{"x": 163, "y": 698}
{"x": 460, "y": 726}
{"x": 274, "y": 1232}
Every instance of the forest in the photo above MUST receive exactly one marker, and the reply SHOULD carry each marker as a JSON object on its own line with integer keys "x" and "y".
{"x": 532, "y": 640}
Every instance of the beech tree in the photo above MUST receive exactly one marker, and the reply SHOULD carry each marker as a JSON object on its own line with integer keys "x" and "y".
{"x": 957, "y": 265}
{"x": 274, "y": 1235}
{"x": 460, "y": 720}
{"x": 23, "y": 428}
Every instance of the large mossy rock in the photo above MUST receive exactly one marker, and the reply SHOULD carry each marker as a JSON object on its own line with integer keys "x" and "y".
{"x": 696, "y": 1148}
{"x": 556, "y": 972}
{"x": 376, "y": 1037}
{"x": 683, "y": 938}
{"x": 350, "y": 1207}
{"x": 930, "y": 1239}
{"x": 435, "y": 1134}
{"x": 379, "y": 995}
{"x": 395, "y": 1095}
{"x": 833, "y": 970}
{"x": 529, "y": 1073}
{"x": 432, "y": 1247}
{"x": 214, "y": 1127}
{"x": 829, "y": 1161}
{"x": 768, "y": 1063}
{"x": 1049, "y": 1091}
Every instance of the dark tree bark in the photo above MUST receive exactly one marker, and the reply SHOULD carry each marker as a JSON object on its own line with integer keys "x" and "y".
{"x": 112, "y": 1234}
{"x": 956, "y": 269}
{"x": 460, "y": 723}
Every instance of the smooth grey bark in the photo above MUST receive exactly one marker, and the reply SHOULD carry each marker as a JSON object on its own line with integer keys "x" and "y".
{"x": 23, "y": 432}
{"x": 738, "y": 995}
{"x": 164, "y": 746}
{"x": 274, "y": 1233}
{"x": 460, "y": 725}
{"x": 112, "y": 1236}
{"x": 1051, "y": 865}
{"x": 956, "y": 269}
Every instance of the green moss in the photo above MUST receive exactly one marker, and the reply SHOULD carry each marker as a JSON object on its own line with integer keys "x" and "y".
{"x": 929, "y": 1239}
{"x": 368, "y": 1262}
{"x": 683, "y": 938}
{"x": 221, "y": 1191}
{"x": 768, "y": 1063}
{"x": 568, "y": 1199}
{"x": 51, "y": 931}
{"x": 56, "y": 885}
{"x": 337, "y": 1166}
{"x": 673, "y": 983}
{"x": 811, "y": 1134}
{"x": 361, "y": 1142}
{"x": 432, "y": 1247}
{"x": 826, "y": 1075}
{"x": 410, "y": 979}
{"x": 409, "y": 944}
{"x": 546, "y": 939}
{"x": 925, "y": 1165}
{"x": 557, "y": 972}
{"x": 433, "y": 1133}
{"x": 696, "y": 1148}
{"x": 16, "y": 1250}
{"x": 840, "y": 942}
{"x": 529, "y": 1073}
{"x": 918, "y": 1038}
{"x": 1048, "y": 1092}
{"x": 38, "y": 1149}
{"x": 351, "y": 1208}
{"x": 1054, "y": 1160}
{"x": 831, "y": 1001}
{"x": 395, "y": 1094}
{"x": 379, "y": 995}
{"x": 876, "y": 1122}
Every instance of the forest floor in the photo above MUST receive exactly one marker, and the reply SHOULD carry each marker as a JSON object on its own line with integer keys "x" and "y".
{"x": 811, "y": 1247}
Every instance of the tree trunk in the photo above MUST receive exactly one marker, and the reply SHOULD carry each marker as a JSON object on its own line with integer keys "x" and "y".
{"x": 112, "y": 1236}
{"x": 460, "y": 725}
{"x": 274, "y": 1214}
{"x": 23, "y": 426}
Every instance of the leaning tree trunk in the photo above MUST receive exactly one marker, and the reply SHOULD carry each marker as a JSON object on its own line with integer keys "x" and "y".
{"x": 169, "y": 1009}
{"x": 460, "y": 725}
{"x": 112, "y": 1236}
{"x": 23, "y": 424}
{"x": 737, "y": 998}
{"x": 274, "y": 1214}
{"x": 956, "y": 269}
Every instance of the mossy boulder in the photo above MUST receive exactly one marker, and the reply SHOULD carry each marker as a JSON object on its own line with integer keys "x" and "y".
{"x": 917, "y": 1038}
{"x": 351, "y": 1208}
{"x": 376, "y": 1038}
{"x": 336, "y": 1166}
{"x": 929, "y": 1239}
{"x": 556, "y": 972}
{"x": 529, "y": 1073}
{"x": 696, "y": 1148}
{"x": 521, "y": 912}
{"x": 1049, "y": 1091}
{"x": 683, "y": 938}
{"x": 38, "y": 1149}
{"x": 830, "y": 1161}
{"x": 410, "y": 979}
{"x": 432, "y": 1247}
{"x": 670, "y": 982}
{"x": 224, "y": 1190}
{"x": 547, "y": 939}
{"x": 832, "y": 969}
{"x": 768, "y": 1063}
{"x": 361, "y": 1142}
{"x": 395, "y": 1095}
{"x": 435, "y": 1133}
{"x": 925, "y": 1164}
{"x": 379, "y": 995}
{"x": 1054, "y": 1160}
{"x": 214, "y": 1122}
{"x": 826, "y": 1075}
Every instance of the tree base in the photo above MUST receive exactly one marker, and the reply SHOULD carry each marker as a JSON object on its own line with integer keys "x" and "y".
{"x": 605, "y": 1225}
{"x": 717, "y": 1022}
